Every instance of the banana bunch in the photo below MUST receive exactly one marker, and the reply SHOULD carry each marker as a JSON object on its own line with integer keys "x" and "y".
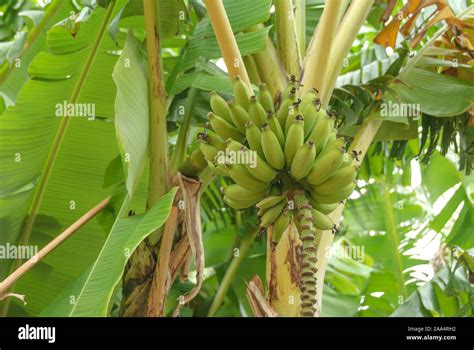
{"x": 270, "y": 150}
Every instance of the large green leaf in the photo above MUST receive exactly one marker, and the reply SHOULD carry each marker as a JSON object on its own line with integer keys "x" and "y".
{"x": 448, "y": 294}
{"x": 388, "y": 224}
{"x": 437, "y": 94}
{"x": 132, "y": 114}
{"x": 16, "y": 75}
{"x": 75, "y": 183}
{"x": 91, "y": 293}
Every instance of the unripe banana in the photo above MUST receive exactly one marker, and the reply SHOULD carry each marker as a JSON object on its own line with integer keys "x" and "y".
{"x": 239, "y": 116}
{"x": 340, "y": 179}
{"x": 241, "y": 176}
{"x": 218, "y": 169}
{"x": 292, "y": 86}
{"x": 261, "y": 170}
{"x": 271, "y": 215}
{"x": 336, "y": 143}
{"x": 269, "y": 202}
{"x": 198, "y": 160}
{"x": 220, "y": 107}
{"x": 321, "y": 221}
{"x": 238, "y": 204}
{"x": 312, "y": 115}
{"x": 265, "y": 98}
{"x": 275, "y": 126}
{"x": 325, "y": 166}
{"x": 285, "y": 106}
{"x": 232, "y": 145}
{"x": 323, "y": 208}
{"x": 241, "y": 92}
{"x": 320, "y": 133}
{"x": 294, "y": 112}
{"x": 303, "y": 160}
{"x": 254, "y": 137}
{"x": 272, "y": 149}
{"x": 222, "y": 128}
{"x": 309, "y": 98}
{"x": 237, "y": 192}
{"x": 294, "y": 140}
{"x": 280, "y": 225}
{"x": 334, "y": 197}
{"x": 213, "y": 139}
{"x": 347, "y": 159}
{"x": 207, "y": 150}
{"x": 257, "y": 112}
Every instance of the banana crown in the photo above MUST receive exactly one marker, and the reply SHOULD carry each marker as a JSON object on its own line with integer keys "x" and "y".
{"x": 271, "y": 148}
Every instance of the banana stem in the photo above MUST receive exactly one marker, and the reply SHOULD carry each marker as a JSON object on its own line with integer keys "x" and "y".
{"x": 179, "y": 154}
{"x": 307, "y": 231}
{"x": 286, "y": 35}
{"x": 269, "y": 66}
{"x": 159, "y": 181}
{"x": 226, "y": 40}
{"x": 252, "y": 70}
{"x": 300, "y": 17}
{"x": 346, "y": 34}
{"x": 317, "y": 65}
{"x": 231, "y": 271}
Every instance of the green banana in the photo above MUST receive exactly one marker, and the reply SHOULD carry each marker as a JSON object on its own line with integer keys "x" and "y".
{"x": 303, "y": 160}
{"x": 294, "y": 112}
{"x": 237, "y": 192}
{"x": 241, "y": 176}
{"x": 294, "y": 139}
{"x": 323, "y": 208}
{"x": 334, "y": 197}
{"x": 241, "y": 92}
{"x": 321, "y": 221}
{"x": 198, "y": 159}
{"x": 292, "y": 86}
{"x": 257, "y": 112}
{"x": 232, "y": 145}
{"x": 254, "y": 137}
{"x": 220, "y": 107}
{"x": 213, "y": 139}
{"x": 207, "y": 150}
{"x": 269, "y": 202}
{"x": 265, "y": 98}
{"x": 272, "y": 149}
{"x": 238, "y": 204}
{"x": 280, "y": 225}
{"x": 309, "y": 98}
{"x": 347, "y": 159}
{"x": 325, "y": 166}
{"x": 261, "y": 170}
{"x": 218, "y": 169}
{"x": 239, "y": 116}
{"x": 340, "y": 179}
{"x": 271, "y": 215}
{"x": 285, "y": 106}
{"x": 276, "y": 128}
{"x": 320, "y": 133}
{"x": 222, "y": 128}
{"x": 312, "y": 115}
